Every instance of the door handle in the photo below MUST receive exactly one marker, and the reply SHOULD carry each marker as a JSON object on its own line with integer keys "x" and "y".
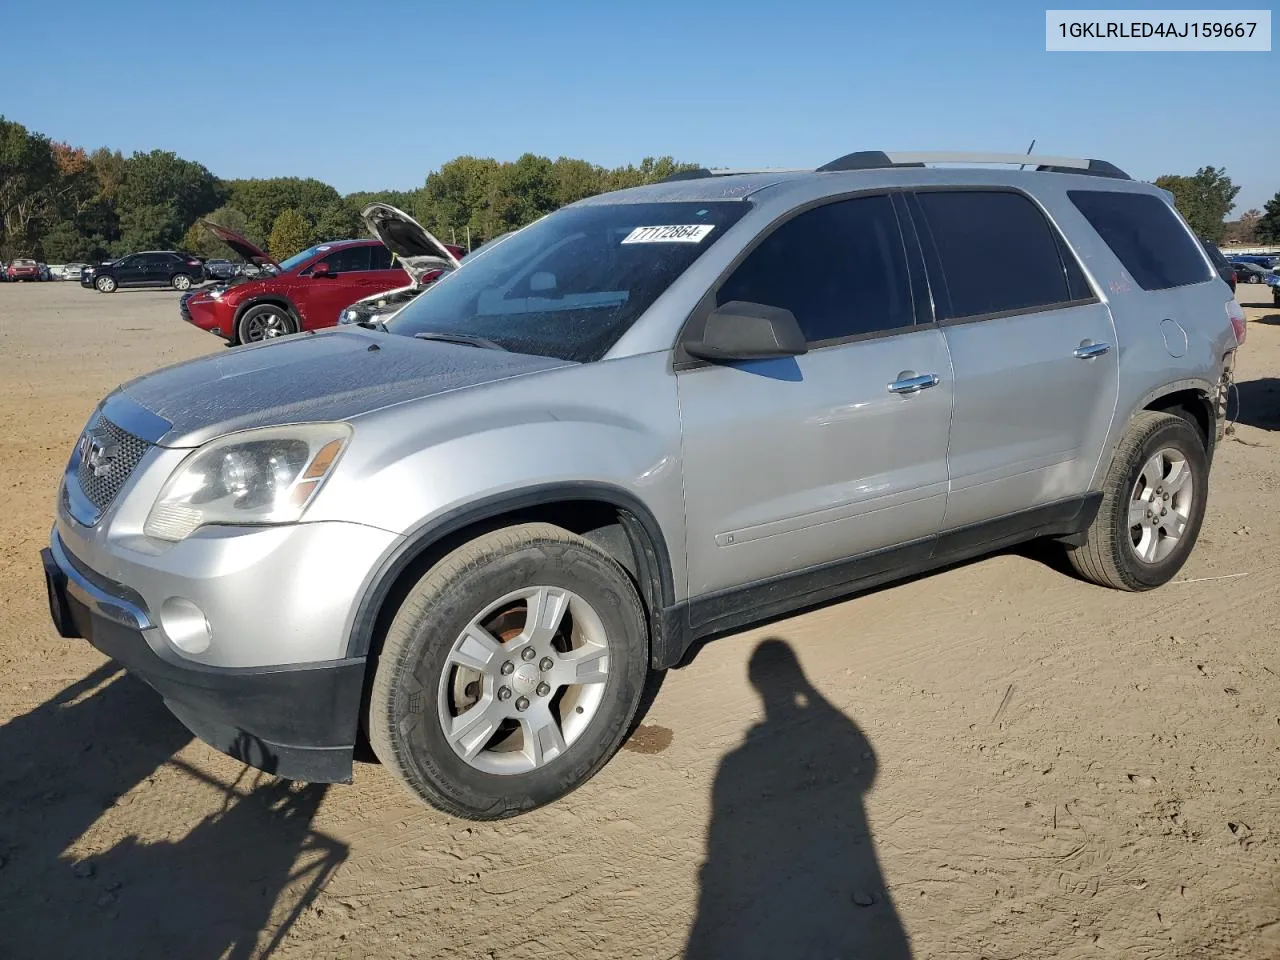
{"x": 914, "y": 384}
{"x": 1089, "y": 350}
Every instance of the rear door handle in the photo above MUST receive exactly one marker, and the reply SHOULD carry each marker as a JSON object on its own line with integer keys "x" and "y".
{"x": 1088, "y": 350}
{"x": 914, "y": 384}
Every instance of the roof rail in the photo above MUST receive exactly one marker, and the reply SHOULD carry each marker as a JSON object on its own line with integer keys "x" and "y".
{"x": 702, "y": 173}
{"x": 879, "y": 160}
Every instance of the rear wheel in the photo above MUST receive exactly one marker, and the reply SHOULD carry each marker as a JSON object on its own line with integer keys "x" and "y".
{"x": 265, "y": 322}
{"x": 510, "y": 674}
{"x": 105, "y": 284}
{"x": 1152, "y": 506}
{"x": 181, "y": 281}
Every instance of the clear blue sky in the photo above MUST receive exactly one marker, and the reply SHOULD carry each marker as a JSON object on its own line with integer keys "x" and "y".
{"x": 373, "y": 95}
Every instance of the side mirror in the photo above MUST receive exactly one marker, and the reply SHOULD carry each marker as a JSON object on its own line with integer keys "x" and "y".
{"x": 322, "y": 269}
{"x": 749, "y": 331}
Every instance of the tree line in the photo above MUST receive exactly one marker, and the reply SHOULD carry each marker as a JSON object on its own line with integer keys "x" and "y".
{"x": 61, "y": 203}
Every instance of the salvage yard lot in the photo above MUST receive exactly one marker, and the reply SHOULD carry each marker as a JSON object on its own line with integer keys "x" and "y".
{"x": 1018, "y": 764}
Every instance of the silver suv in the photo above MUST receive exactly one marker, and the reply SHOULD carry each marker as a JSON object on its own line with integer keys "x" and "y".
{"x": 466, "y": 536}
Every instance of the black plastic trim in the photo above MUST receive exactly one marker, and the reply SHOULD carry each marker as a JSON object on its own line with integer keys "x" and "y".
{"x": 744, "y": 606}
{"x": 297, "y": 721}
{"x": 648, "y": 545}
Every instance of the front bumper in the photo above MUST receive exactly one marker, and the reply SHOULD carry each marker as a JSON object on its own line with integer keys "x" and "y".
{"x": 212, "y": 316}
{"x": 297, "y": 721}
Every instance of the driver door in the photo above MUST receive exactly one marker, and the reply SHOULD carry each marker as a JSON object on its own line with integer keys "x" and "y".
{"x": 800, "y": 472}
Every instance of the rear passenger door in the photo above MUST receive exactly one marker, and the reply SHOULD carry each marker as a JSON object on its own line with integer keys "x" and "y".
{"x": 1033, "y": 351}
{"x": 797, "y": 463}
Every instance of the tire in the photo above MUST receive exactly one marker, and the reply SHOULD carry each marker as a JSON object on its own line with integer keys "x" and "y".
{"x": 181, "y": 281}
{"x": 1137, "y": 481}
{"x": 105, "y": 284}
{"x": 417, "y": 678}
{"x": 1254, "y": 278}
{"x": 264, "y": 322}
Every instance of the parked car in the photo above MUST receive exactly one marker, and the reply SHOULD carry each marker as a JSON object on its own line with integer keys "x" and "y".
{"x": 73, "y": 271}
{"x": 652, "y": 416}
{"x": 422, "y": 256}
{"x": 1247, "y": 272}
{"x": 1262, "y": 260}
{"x": 305, "y": 292}
{"x": 4, "y": 272}
{"x": 217, "y": 269}
{"x": 1225, "y": 269}
{"x": 150, "y": 268}
{"x": 45, "y": 273}
{"x": 24, "y": 270}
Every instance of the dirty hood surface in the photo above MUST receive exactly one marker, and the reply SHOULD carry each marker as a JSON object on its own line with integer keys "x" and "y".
{"x": 333, "y": 375}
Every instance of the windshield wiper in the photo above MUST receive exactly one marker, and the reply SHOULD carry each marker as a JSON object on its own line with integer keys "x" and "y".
{"x": 460, "y": 338}
{"x": 373, "y": 325}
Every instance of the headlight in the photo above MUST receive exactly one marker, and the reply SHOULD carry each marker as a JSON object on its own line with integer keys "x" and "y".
{"x": 261, "y": 476}
{"x": 215, "y": 293}
{"x": 349, "y": 316}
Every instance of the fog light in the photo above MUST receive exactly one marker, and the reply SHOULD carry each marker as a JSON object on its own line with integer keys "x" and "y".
{"x": 186, "y": 625}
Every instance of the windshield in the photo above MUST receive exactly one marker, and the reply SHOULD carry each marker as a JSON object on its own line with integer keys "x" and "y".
{"x": 569, "y": 285}
{"x": 300, "y": 258}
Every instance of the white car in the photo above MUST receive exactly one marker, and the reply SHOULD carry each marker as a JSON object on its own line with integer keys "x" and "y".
{"x": 422, "y": 256}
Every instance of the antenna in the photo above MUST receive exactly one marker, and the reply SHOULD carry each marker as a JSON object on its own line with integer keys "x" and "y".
{"x": 1029, "y": 149}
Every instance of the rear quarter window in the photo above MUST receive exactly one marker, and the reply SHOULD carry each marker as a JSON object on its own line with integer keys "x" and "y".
{"x": 1146, "y": 236}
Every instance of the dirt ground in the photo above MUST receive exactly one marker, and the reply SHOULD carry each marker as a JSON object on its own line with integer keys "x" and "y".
{"x": 997, "y": 761}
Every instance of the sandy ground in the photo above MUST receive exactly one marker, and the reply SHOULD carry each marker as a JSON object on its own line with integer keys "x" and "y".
{"x": 997, "y": 761}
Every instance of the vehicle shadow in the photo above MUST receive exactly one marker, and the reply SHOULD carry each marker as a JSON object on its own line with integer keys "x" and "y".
{"x": 791, "y": 870}
{"x": 1256, "y": 403}
{"x": 210, "y": 890}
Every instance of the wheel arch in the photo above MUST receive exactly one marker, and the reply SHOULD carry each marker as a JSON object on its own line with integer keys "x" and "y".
{"x": 1191, "y": 400}
{"x": 610, "y": 517}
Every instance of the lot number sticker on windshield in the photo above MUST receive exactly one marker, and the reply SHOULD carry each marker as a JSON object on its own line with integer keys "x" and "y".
{"x": 687, "y": 233}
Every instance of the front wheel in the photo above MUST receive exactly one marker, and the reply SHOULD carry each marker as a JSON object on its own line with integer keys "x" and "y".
{"x": 1153, "y": 503}
{"x": 181, "y": 281}
{"x": 510, "y": 674}
{"x": 1254, "y": 278}
{"x": 265, "y": 322}
{"x": 105, "y": 284}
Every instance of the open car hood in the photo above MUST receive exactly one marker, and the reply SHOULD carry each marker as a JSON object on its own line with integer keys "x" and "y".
{"x": 239, "y": 244}
{"x": 418, "y": 252}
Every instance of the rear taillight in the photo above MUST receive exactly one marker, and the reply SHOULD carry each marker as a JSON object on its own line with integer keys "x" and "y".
{"x": 1236, "y": 315}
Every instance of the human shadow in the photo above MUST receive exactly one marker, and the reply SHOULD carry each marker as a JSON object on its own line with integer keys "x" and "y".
{"x": 1256, "y": 403}
{"x": 791, "y": 870}
{"x": 227, "y": 883}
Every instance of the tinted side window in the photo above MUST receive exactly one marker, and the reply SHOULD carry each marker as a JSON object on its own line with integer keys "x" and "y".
{"x": 839, "y": 268}
{"x": 1145, "y": 235}
{"x": 348, "y": 259}
{"x": 998, "y": 253}
{"x": 380, "y": 258}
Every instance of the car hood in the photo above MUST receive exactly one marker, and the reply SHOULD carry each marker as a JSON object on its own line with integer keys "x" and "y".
{"x": 337, "y": 374}
{"x": 245, "y": 249}
{"x": 418, "y": 251}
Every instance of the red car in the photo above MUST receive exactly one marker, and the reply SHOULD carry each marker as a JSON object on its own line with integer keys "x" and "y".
{"x": 305, "y": 292}
{"x": 24, "y": 270}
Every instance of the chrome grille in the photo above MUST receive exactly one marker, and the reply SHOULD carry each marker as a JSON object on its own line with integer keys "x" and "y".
{"x": 108, "y": 457}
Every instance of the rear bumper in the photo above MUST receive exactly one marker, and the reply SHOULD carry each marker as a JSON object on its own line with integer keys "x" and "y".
{"x": 298, "y": 722}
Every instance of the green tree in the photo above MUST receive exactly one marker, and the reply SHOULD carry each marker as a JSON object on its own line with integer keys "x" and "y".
{"x": 290, "y": 234}
{"x": 1268, "y": 225}
{"x": 338, "y": 220}
{"x": 160, "y": 197}
{"x": 201, "y": 241}
{"x": 264, "y": 200}
{"x": 1203, "y": 199}
{"x": 28, "y": 172}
